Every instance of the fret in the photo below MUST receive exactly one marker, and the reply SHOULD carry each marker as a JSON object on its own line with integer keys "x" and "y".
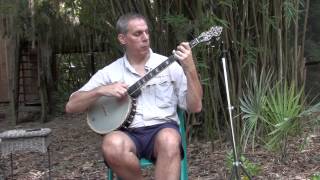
{"x": 194, "y": 42}
{"x": 133, "y": 88}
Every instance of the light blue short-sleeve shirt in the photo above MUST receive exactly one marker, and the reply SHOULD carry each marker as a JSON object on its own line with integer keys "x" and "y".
{"x": 159, "y": 97}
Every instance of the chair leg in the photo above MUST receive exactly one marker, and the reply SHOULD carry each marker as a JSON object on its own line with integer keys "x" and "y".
{"x": 49, "y": 162}
{"x": 11, "y": 159}
{"x": 184, "y": 169}
{"x": 110, "y": 174}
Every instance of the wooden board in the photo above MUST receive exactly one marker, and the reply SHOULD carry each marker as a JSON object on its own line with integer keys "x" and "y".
{"x": 4, "y": 72}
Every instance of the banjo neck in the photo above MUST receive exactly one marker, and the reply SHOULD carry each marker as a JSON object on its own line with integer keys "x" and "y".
{"x": 134, "y": 90}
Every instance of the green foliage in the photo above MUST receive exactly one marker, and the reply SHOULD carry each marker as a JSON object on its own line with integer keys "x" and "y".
{"x": 6, "y": 6}
{"x": 284, "y": 104}
{"x": 251, "y": 54}
{"x": 253, "y": 169}
{"x": 253, "y": 104}
{"x": 312, "y": 50}
{"x": 180, "y": 25}
{"x": 289, "y": 11}
{"x": 274, "y": 112}
{"x": 315, "y": 176}
{"x": 73, "y": 73}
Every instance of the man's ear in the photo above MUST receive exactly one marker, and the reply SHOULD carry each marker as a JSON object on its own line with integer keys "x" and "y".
{"x": 122, "y": 39}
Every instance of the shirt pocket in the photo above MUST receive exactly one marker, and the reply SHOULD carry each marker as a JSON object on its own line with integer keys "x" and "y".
{"x": 162, "y": 89}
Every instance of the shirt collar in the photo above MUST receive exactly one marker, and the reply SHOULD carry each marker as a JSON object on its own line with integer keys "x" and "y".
{"x": 127, "y": 65}
{"x": 150, "y": 64}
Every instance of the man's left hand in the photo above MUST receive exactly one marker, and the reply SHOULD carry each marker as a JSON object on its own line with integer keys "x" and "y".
{"x": 184, "y": 55}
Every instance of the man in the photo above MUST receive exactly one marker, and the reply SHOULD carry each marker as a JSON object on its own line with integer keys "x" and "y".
{"x": 154, "y": 132}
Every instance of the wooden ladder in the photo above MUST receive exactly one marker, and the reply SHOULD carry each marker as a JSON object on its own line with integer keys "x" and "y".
{"x": 28, "y": 97}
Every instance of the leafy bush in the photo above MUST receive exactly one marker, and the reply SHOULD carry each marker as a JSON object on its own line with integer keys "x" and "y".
{"x": 274, "y": 111}
{"x": 284, "y": 104}
{"x": 252, "y": 105}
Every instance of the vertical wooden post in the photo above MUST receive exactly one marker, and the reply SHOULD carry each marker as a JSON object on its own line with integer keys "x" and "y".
{"x": 93, "y": 69}
{"x": 14, "y": 78}
{"x": 42, "y": 85}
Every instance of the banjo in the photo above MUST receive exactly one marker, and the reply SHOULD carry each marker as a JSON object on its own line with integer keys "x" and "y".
{"x": 110, "y": 113}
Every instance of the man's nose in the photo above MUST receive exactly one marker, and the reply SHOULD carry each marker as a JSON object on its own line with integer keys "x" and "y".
{"x": 145, "y": 36}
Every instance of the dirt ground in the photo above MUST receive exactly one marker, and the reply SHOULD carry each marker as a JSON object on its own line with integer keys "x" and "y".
{"x": 75, "y": 154}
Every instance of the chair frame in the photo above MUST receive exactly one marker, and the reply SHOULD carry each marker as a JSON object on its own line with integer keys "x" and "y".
{"x": 184, "y": 162}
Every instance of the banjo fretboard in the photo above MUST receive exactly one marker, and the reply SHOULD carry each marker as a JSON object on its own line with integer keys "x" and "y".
{"x": 134, "y": 90}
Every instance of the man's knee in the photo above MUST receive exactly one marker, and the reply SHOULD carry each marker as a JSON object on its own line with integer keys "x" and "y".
{"x": 169, "y": 141}
{"x": 114, "y": 146}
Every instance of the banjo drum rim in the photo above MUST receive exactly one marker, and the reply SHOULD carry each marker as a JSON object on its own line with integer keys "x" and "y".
{"x": 123, "y": 121}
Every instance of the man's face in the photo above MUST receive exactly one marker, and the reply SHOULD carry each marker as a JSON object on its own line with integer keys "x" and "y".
{"x": 136, "y": 40}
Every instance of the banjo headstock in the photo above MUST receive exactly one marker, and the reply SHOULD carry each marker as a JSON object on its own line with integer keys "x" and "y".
{"x": 213, "y": 32}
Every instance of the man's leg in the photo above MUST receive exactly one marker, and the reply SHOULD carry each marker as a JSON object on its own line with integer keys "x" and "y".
{"x": 168, "y": 155}
{"x": 119, "y": 152}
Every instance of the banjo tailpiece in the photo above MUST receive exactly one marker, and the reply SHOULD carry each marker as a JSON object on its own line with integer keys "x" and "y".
{"x": 131, "y": 115}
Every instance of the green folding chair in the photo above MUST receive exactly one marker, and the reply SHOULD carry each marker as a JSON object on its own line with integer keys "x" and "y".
{"x": 184, "y": 162}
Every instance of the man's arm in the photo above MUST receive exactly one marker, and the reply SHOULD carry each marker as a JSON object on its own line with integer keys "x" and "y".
{"x": 194, "y": 91}
{"x": 80, "y": 101}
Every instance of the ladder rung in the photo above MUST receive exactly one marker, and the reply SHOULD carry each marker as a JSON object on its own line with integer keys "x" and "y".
{"x": 28, "y": 62}
{"x": 32, "y": 68}
{"x": 29, "y": 108}
{"x": 27, "y": 76}
{"x": 27, "y": 93}
{"x": 26, "y": 85}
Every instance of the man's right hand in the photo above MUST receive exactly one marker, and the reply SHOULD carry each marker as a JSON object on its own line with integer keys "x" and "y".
{"x": 117, "y": 89}
{"x": 81, "y": 100}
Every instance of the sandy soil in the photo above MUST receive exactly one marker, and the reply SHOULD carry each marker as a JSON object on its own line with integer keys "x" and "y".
{"x": 75, "y": 154}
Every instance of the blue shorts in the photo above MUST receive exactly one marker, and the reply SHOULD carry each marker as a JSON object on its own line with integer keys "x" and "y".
{"x": 143, "y": 138}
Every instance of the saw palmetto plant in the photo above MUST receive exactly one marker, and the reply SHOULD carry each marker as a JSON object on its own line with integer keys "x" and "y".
{"x": 253, "y": 104}
{"x": 284, "y": 105}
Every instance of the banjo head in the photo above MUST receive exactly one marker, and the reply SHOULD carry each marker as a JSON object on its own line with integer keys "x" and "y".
{"x": 108, "y": 114}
